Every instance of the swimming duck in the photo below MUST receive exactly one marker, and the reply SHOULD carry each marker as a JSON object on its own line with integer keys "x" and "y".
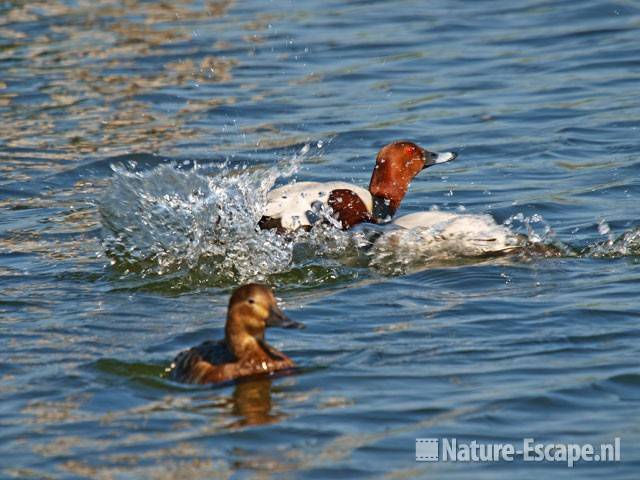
{"x": 244, "y": 351}
{"x": 300, "y": 205}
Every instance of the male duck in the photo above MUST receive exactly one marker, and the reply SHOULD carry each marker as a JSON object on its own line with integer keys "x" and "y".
{"x": 244, "y": 351}
{"x": 299, "y": 205}
{"x": 432, "y": 233}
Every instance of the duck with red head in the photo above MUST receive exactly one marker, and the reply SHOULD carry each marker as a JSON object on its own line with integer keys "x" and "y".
{"x": 397, "y": 164}
{"x": 244, "y": 350}
{"x": 302, "y": 204}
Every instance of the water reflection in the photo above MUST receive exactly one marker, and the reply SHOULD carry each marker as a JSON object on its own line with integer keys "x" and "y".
{"x": 252, "y": 403}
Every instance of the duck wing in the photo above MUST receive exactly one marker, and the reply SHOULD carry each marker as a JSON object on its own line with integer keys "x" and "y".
{"x": 201, "y": 364}
{"x": 212, "y": 362}
{"x": 272, "y": 353}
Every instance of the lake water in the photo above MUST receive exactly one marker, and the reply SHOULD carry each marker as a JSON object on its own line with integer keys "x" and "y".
{"x": 133, "y": 132}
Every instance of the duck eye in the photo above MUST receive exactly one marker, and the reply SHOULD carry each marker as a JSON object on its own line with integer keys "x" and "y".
{"x": 251, "y": 300}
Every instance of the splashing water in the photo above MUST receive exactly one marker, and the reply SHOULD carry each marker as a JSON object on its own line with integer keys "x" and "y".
{"x": 537, "y": 229}
{"x": 627, "y": 244}
{"x": 166, "y": 221}
{"x": 540, "y": 233}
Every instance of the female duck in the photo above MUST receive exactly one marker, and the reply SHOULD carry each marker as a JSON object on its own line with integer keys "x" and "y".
{"x": 244, "y": 351}
{"x": 300, "y": 204}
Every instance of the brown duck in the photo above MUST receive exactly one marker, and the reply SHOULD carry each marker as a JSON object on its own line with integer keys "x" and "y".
{"x": 244, "y": 351}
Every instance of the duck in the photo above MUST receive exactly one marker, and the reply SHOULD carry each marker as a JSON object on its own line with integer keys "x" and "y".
{"x": 244, "y": 351}
{"x": 302, "y": 205}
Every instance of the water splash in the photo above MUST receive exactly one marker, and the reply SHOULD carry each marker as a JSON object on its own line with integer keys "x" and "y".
{"x": 627, "y": 244}
{"x": 536, "y": 228}
{"x": 167, "y": 221}
{"x": 541, "y": 236}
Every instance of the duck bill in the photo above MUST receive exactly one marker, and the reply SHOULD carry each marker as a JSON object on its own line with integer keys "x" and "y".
{"x": 434, "y": 158}
{"x": 277, "y": 318}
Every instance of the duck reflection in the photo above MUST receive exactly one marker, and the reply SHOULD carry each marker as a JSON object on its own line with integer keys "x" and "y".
{"x": 251, "y": 402}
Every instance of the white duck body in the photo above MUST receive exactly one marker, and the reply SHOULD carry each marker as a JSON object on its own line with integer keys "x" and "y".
{"x": 291, "y": 203}
{"x": 447, "y": 235}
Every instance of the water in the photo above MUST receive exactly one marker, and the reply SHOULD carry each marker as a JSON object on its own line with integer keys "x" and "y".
{"x": 172, "y": 120}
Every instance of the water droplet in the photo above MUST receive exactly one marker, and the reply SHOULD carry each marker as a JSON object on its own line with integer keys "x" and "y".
{"x": 603, "y": 227}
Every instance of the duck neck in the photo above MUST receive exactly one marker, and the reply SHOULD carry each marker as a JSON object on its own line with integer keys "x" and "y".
{"x": 384, "y": 208}
{"x": 239, "y": 340}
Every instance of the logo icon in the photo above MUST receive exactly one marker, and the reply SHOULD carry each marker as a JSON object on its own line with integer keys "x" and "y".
{"x": 427, "y": 449}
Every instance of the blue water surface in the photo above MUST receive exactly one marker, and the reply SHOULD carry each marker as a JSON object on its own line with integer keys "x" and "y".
{"x": 539, "y": 98}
